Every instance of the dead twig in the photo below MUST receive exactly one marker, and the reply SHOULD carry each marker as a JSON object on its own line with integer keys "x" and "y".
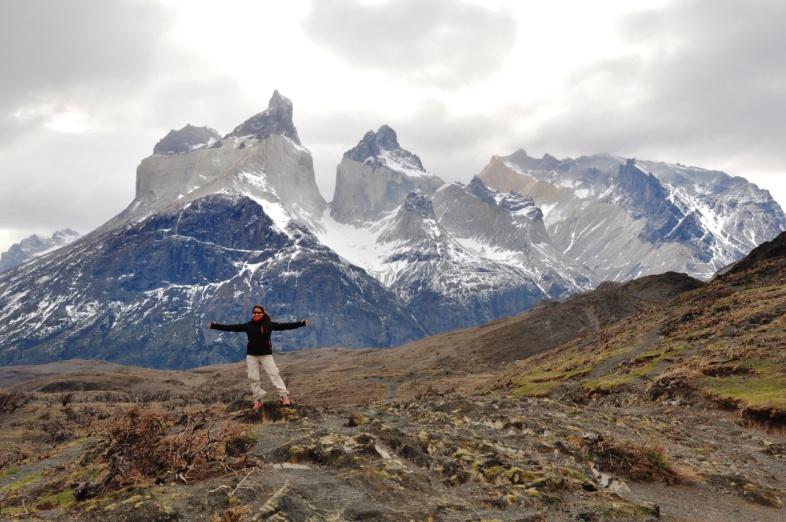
{"x": 238, "y": 487}
{"x": 22, "y": 514}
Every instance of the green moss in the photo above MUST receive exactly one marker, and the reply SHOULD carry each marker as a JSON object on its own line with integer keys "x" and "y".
{"x": 9, "y": 471}
{"x": 540, "y": 382}
{"x": 22, "y": 482}
{"x": 606, "y": 382}
{"x": 756, "y": 391}
{"x": 764, "y": 367}
{"x": 516, "y": 475}
{"x": 546, "y": 375}
{"x": 535, "y": 389}
{"x": 491, "y": 472}
{"x": 64, "y": 499}
{"x": 463, "y": 454}
{"x": 650, "y": 360}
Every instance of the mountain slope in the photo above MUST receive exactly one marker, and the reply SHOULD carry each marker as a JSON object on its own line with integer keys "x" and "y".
{"x": 723, "y": 341}
{"x": 442, "y": 282}
{"x": 508, "y": 228}
{"x": 419, "y": 442}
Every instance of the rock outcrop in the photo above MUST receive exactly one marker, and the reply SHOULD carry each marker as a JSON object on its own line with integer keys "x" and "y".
{"x": 262, "y": 159}
{"x": 186, "y": 139}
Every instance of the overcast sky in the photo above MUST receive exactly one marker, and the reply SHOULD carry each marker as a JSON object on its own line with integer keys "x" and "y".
{"x": 89, "y": 86}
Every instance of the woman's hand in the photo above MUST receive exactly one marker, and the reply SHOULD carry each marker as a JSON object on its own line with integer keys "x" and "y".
{"x": 305, "y": 322}
{"x": 210, "y": 324}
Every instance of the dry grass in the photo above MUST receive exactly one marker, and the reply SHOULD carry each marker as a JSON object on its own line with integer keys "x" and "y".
{"x": 637, "y": 462}
{"x": 12, "y": 401}
{"x": 144, "y": 445}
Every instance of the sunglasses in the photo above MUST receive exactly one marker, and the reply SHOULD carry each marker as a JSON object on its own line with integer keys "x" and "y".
{"x": 257, "y": 313}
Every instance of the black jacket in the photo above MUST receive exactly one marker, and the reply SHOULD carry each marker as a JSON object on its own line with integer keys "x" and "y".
{"x": 258, "y": 333}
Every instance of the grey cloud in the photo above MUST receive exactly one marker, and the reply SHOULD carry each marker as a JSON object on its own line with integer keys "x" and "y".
{"x": 94, "y": 56}
{"x": 216, "y": 102}
{"x": 51, "y": 179}
{"x": 87, "y": 54}
{"x": 113, "y": 61}
{"x": 710, "y": 89}
{"x": 444, "y": 42}
{"x": 52, "y": 188}
{"x": 48, "y": 47}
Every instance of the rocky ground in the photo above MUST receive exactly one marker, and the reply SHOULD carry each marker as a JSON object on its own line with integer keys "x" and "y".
{"x": 93, "y": 456}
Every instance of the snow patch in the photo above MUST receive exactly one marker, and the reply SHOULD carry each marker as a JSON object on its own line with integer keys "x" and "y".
{"x": 402, "y": 164}
{"x": 254, "y": 185}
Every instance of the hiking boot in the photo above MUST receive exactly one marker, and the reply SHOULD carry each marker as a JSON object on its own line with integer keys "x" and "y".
{"x": 285, "y": 401}
{"x": 257, "y": 405}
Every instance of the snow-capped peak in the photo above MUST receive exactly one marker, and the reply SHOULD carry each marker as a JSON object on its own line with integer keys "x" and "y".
{"x": 381, "y": 149}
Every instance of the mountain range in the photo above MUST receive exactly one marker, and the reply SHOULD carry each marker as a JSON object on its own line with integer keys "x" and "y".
{"x": 34, "y": 246}
{"x": 221, "y": 223}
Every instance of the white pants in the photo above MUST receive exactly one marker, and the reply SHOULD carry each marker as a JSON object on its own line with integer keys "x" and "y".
{"x": 266, "y": 361}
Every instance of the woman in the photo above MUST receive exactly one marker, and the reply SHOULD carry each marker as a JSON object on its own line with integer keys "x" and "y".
{"x": 259, "y": 351}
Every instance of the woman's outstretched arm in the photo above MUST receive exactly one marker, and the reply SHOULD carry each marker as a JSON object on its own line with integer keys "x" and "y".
{"x": 227, "y": 327}
{"x": 288, "y": 326}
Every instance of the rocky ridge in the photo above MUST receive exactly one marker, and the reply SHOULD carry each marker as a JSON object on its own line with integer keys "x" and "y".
{"x": 468, "y": 252}
{"x": 508, "y": 227}
{"x": 624, "y": 218}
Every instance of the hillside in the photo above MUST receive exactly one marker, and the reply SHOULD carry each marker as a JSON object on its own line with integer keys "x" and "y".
{"x": 724, "y": 341}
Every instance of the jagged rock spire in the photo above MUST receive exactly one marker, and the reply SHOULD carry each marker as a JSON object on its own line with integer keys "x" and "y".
{"x": 276, "y": 119}
{"x": 374, "y": 143}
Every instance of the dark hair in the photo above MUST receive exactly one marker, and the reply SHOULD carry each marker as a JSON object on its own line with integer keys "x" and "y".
{"x": 258, "y": 306}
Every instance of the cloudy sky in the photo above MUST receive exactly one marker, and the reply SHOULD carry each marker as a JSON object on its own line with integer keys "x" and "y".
{"x": 89, "y": 86}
